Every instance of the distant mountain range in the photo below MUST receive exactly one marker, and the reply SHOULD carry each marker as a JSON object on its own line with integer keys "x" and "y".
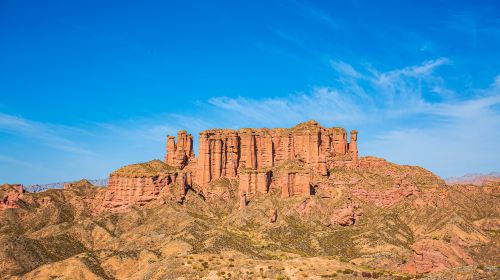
{"x": 474, "y": 178}
{"x": 59, "y": 185}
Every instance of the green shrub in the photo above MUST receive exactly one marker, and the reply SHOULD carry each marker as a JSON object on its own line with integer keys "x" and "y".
{"x": 347, "y": 271}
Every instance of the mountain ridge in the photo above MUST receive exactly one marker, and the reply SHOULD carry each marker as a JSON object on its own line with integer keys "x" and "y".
{"x": 282, "y": 204}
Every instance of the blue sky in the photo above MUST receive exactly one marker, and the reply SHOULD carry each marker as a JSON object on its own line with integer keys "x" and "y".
{"x": 89, "y": 86}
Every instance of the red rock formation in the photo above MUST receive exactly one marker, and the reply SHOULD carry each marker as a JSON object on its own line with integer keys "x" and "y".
{"x": 403, "y": 180}
{"x": 435, "y": 255}
{"x": 293, "y": 179}
{"x": 10, "y": 196}
{"x": 353, "y": 148}
{"x": 178, "y": 154}
{"x": 385, "y": 198}
{"x": 346, "y": 216}
{"x": 261, "y": 159}
{"x": 140, "y": 183}
{"x": 252, "y": 154}
{"x": 252, "y": 182}
{"x": 243, "y": 200}
{"x": 78, "y": 185}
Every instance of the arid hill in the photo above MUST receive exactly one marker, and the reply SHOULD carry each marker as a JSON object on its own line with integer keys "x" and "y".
{"x": 292, "y": 203}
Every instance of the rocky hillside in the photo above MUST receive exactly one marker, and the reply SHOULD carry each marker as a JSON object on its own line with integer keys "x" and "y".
{"x": 311, "y": 211}
{"x": 60, "y": 185}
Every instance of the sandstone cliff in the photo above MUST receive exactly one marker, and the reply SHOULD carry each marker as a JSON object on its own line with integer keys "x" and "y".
{"x": 138, "y": 184}
{"x": 260, "y": 158}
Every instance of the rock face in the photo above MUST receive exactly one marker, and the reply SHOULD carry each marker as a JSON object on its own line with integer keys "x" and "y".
{"x": 346, "y": 216}
{"x": 253, "y": 155}
{"x": 178, "y": 154}
{"x": 435, "y": 255}
{"x": 10, "y": 195}
{"x": 138, "y": 184}
{"x": 223, "y": 152}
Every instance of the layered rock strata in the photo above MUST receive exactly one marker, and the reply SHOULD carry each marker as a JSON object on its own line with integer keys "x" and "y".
{"x": 223, "y": 152}
{"x": 179, "y": 153}
{"x": 260, "y": 159}
{"x": 138, "y": 184}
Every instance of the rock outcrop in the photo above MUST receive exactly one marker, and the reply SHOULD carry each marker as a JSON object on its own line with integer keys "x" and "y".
{"x": 260, "y": 159}
{"x": 223, "y": 152}
{"x": 347, "y": 216}
{"x": 254, "y": 155}
{"x": 178, "y": 154}
{"x": 138, "y": 184}
{"x": 10, "y": 195}
{"x": 83, "y": 184}
{"x": 435, "y": 255}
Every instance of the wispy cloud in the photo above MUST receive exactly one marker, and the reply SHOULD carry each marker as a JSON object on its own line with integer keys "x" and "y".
{"x": 403, "y": 121}
{"x": 289, "y": 38}
{"x": 317, "y": 14}
{"x": 44, "y": 133}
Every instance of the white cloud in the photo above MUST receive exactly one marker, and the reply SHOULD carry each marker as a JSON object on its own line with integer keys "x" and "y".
{"x": 451, "y": 136}
{"x": 402, "y": 123}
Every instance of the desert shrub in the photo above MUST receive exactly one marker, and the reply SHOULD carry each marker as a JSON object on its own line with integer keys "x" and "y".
{"x": 366, "y": 274}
